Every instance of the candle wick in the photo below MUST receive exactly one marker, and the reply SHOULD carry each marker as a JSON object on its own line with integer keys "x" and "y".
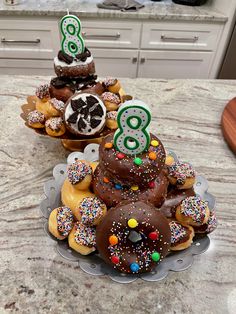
{"x": 67, "y": 11}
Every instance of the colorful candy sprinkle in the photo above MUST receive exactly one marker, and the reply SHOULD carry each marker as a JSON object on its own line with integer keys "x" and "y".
{"x": 132, "y": 223}
{"x": 151, "y": 184}
{"x": 195, "y": 208}
{"x": 91, "y": 208}
{"x": 181, "y": 171}
{"x": 78, "y": 171}
{"x": 120, "y": 156}
{"x": 106, "y": 180}
{"x": 178, "y": 231}
{"x": 64, "y": 220}
{"x": 113, "y": 240}
{"x": 152, "y": 156}
{"x": 118, "y": 186}
{"x": 169, "y": 160}
{"x": 134, "y": 187}
{"x": 115, "y": 259}
{"x": 155, "y": 256}
{"x": 108, "y": 145}
{"x": 154, "y": 143}
{"x": 85, "y": 235}
{"x": 153, "y": 235}
{"x": 138, "y": 161}
{"x": 134, "y": 267}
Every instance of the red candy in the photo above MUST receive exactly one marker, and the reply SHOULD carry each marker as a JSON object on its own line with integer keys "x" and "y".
{"x": 115, "y": 259}
{"x": 120, "y": 155}
{"x": 153, "y": 235}
{"x": 151, "y": 184}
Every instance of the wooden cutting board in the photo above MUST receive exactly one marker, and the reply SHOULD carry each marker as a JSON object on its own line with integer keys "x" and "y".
{"x": 228, "y": 124}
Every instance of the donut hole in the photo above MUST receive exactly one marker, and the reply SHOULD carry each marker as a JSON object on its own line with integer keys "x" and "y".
{"x": 135, "y": 236}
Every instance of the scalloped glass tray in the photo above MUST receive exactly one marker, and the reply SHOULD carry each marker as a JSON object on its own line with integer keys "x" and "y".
{"x": 93, "y": 264}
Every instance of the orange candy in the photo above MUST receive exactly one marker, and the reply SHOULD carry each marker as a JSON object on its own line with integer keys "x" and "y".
{"x": 108, "y": 145}
{"x": 113, "y": 240}
{"x": 152, "y": 156}
{"x": 106, "y": 180}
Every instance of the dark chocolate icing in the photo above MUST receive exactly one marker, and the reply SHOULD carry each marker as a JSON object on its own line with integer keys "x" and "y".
{"x": 113, "y": 196}
{"x": 126, "y": 170}
{"x": 173, "y": 199}
{"x": 116, "y": 223}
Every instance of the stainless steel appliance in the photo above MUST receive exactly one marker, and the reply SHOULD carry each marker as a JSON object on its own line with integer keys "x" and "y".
{"x": 228, "y": 68}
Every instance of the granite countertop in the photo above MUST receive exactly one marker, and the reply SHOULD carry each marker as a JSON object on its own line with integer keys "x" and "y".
{"x": 165, "y": 10}
{"x": 35, "y": 279}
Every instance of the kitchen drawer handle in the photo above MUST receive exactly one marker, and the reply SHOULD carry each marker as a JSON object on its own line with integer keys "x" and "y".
{"x": 13, "y": 41}
{"x": 116, "y": 36}
{"x": 183, "y": 39}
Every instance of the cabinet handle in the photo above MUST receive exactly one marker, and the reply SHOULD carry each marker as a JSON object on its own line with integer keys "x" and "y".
{"x": 183, "y": 39}
{"x": 88, "y": 36}
{"x": 134, "y": 59}
{"x": 142, "y": 60}
{"x": 13, "y": 41}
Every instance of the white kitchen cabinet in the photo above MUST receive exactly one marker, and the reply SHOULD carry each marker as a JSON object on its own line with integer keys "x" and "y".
{"x": 116, "y": 63}
{"x": 26, "y": 67}
{"x": 174, "y": 64}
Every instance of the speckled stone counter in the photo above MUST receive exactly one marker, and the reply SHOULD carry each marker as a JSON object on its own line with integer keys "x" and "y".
{"x": 35, "y": 279}
{"x": 165, "y": 10}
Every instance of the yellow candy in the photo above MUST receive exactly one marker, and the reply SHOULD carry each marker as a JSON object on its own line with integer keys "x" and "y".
{"x": 134, "y": 187}
{"x": 169, "y": 160}
{"x": 132, "y": 223}
{"x": 154, "y": 143}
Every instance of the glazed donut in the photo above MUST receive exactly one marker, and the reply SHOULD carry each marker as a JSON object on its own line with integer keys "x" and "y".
{"x": 112, "y": 85}
{"x": 111, "y": 101}
{"x": 71, "y": 197}
{"x": 111, "y": 122}
{"x": 55, "y": 127}
{"x": 133, "y": 237}
{"x": 56, "y": 107}
{"x": 79, "y": 174}
{"x": 193, "y": 211}
{"x": 210, "y": 225}
{"x": 85, "y": 114}
{"x": 82, "y": 65}
{"x": 134, "y": 171}
{"x": 112, "y": 193}
{"x": 182, "y": 175}
{"x": 173, "y": 199}
{"x": 60, "y": 222}
{"x": 181, "y": 236}
{"x": 36, "y": 119}
{"x": 82, "y": 239}
{"x": 90, "y": 211}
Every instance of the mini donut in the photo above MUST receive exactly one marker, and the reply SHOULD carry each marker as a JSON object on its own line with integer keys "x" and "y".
{"x": 56, "y": 107}
{"x": 112, "y": 192}
{"x": 82, "y": 238}
{"x": 79, "y": 175}
{"x": 111, "y": 122}
{"x": 111, "y": 101}
{"x": 210, "y": 225}
{"x": 193, "y": 211}
{"x": 54, "y": 126}
{"x": 181, "y": 236}
{"x": 173, "y": 199}
{"x": 133, "y": 237}
{"x": 67, "y": 66}
{"x": 42, "y": 92}
{"x": 61, "y": 88}
{"x": 95, "y": 88}
{"x": 71, "y": 197}
{"x": 60, "y": 222}
{"x": 139, "y": 170}
{"x": 181, "y": 174}
{"x": 112, "y": 85}
{"x": 36, "y": 119}
{"x": 90, "y": 211}
{"x": 85, "y": 114}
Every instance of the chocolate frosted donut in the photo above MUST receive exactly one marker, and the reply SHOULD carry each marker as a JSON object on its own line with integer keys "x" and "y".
{"x": 133, "y": 237}
{"x": 181, "y": 236}
{"x": 210, "y": 225}
{"x": 139, "y": 170}
{"x": 173, "y": 199}
{"x": 112, "y": 193}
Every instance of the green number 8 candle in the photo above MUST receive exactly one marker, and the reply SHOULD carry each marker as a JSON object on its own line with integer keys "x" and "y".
{"x": 72, "y": 41}
{"x": 132, "y": 136}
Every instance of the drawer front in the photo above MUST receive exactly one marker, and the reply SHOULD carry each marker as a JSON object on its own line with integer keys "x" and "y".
{"x": 111, "y": 35}
{"x": 175, "y": 64}
{"x": 178, "y": 36}
{"x": 29, "y": 39}
{"x": 115, "y": 63}
{"x": 26, "y": 67}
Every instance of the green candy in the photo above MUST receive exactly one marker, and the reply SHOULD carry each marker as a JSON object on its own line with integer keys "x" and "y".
{"x": 156, "y": 256}
{"x": 138, "y": 161}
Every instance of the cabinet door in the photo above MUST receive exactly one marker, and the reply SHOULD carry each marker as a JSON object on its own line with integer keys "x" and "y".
{"x": 26, "y": 67}
{"x": 116, "y": 63}
{"x": 174, "y": 64}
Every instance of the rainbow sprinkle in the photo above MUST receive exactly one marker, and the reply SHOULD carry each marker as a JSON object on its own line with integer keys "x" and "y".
{"x": 78, "y": 171}
{"x": 64, "y": 220}
{"x": 85, "y": 235}
{"x": 195, "y": 208}
{"x": 178, "y": 231}
{"x": 90, "y": 208}
{"x": 42, "y": 91}
{"x": 181, "y": 171}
